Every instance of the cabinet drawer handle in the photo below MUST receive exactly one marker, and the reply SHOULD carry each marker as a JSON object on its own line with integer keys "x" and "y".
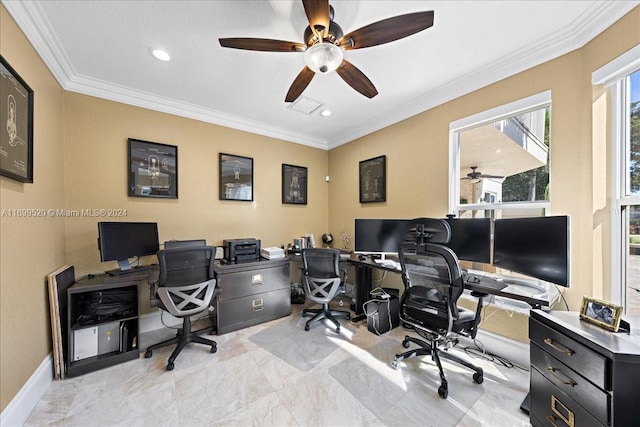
{"x": 565, "y": 350}
{"x": 257, "y": 279}
{"x": 569, "y": 419}
{"x": 569, "y": 381}
{"x": 552, "y": 420}
{"x": 257, "y": 304}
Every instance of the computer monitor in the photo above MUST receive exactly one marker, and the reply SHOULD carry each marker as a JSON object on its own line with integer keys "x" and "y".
{"x": 119, "y": 241}
{"x": 537, "y": 247}
{"x": 471, "y": 239}
{"x": 379, "y": 236}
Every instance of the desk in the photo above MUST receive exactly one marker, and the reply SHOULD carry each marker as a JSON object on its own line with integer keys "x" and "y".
{"x": 364, "y": 272}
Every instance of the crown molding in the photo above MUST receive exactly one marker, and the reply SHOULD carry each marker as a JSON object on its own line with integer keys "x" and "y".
{"x": 582, "y": 30}
{"x": 33, "y": 22}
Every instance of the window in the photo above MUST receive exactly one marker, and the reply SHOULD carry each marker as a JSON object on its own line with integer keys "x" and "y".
{"x": 622, "y": 76}
{"x": 499, "y": 161}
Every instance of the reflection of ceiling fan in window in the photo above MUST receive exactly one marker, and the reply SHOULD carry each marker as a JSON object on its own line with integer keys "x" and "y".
{"x": 475, "y": 175}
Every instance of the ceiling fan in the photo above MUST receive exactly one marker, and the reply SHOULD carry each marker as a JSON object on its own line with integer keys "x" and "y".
{"x": 324, "y": 45}
{"x": 474, "y": 174}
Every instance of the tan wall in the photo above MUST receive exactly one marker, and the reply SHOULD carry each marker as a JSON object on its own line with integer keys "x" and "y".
{"x": 30, "y": 248}
{"x": 96, "y": 133}
{"x": 417, "y": 153}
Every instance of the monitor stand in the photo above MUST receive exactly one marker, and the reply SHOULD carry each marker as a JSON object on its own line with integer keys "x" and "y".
{"x": 126, "y": 269}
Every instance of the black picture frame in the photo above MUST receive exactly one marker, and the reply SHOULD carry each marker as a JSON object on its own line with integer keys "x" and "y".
{"x": 16, "y": 125}
{"x": 373, "y": 180}
{"x": 294, "y": 184}
{"x": 236, "y": 177}
{"x": 153, "y": 169}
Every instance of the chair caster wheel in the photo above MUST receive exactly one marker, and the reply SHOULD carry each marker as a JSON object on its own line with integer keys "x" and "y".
{"x": 170, "y": 366}
{"x": 214, "y": 349}
{"x": 348, "y": 317}
{"x": 338, "y": 330}
{"x": 148, "y": 354}
{"x": 395, "y": 364}
{"x": 405, "y": 343}
{"x": 478, "y": 378}
{"x": 443, "y": 391}
{"x": 306, "y": 327}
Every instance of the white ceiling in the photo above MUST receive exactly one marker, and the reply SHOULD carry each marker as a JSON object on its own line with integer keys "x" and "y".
{"x": 100, "y": 48}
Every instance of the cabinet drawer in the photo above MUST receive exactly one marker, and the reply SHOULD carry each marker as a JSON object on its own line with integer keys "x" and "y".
{"x": 250, "y": 282}
{"x": 253, "y": 309}
{"x": 589, "y": 364}
{"x": 572, "y": 384}
{"x": 551, "y": 407}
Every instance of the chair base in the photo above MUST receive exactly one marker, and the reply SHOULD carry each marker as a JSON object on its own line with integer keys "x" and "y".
{"x": 430, "y": 348}
{"x": 182, "y": 338}
{"x": 324, "y": 313}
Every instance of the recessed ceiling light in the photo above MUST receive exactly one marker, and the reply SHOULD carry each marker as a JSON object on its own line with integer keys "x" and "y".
{"x": 325, "y": 113}
{"x": 160, "y": 54}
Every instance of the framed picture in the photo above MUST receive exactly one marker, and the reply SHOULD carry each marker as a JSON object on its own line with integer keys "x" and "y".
{"x": 153, "y": 169}
{"x": 294, "y": 184}
{"x": 601, "y": 313}
{"x": 236, "y": 177}
{"x": 373, "y": 180}
{"x": 16, "y": 125}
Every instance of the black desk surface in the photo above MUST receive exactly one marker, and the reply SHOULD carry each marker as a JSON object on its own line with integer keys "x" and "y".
{"x": 481, "y": 287}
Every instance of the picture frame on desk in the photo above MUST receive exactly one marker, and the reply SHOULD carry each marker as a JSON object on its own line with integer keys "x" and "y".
{"x": 16, "y": 117}
{"x": 601, "y": 313}
{"x": 236, "y": 177}
{"x": 294, "y": 184}
{"x": 373, "y": 180}
{"x": 153, "y": 169}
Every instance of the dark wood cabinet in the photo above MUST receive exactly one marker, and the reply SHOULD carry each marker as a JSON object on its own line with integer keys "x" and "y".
{"x": 582, "y": 375}
{"x": 109, "y": 335}
{"x": 251, "y": 293}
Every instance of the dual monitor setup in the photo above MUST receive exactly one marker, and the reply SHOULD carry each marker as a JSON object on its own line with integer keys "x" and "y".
{"x": 537, "y": 247}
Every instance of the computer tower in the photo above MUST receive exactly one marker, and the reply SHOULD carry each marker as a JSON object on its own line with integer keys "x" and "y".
{"x": 383, "y": 312}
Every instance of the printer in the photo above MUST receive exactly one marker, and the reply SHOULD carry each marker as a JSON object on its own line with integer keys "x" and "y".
{"x": 241, "y": 250}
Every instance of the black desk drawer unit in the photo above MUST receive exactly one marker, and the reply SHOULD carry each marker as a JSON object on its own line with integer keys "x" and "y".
{"x": 251, "y": 293}
{"x": 582, "y": 375}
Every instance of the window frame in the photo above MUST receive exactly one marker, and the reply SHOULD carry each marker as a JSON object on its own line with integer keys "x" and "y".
{"x": 615, "y": 76}
{"x": 533, "y": 102}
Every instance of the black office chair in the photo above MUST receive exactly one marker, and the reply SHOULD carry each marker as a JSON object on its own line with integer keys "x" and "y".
{"x": 322, "y": 281}
{"x": 433, "y": 283}
{"x": 185, "y": 288}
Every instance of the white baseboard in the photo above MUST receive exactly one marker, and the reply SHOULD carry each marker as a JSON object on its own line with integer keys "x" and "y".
{"x": 18, "y": 410}
{"x": 152, "y": 321}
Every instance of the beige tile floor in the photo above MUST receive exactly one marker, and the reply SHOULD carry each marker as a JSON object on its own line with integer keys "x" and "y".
{"x": 245, "y": 385}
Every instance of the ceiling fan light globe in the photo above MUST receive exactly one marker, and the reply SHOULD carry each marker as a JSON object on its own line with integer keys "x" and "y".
{"x": 323, "y": 57}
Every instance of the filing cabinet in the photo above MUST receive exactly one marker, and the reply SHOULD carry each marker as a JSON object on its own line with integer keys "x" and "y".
{"x": 582, "y": 375}
{"x": 251, "y": 293}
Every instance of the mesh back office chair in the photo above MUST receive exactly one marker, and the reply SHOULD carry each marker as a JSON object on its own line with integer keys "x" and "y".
{"x": 433, "y": 283}
{"x": 321, "y": 281}
{"x": 185, "y": 288}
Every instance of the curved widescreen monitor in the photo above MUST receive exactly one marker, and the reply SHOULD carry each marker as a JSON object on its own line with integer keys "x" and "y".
{"x": 379, "y": 236}
{"x": 471, "y": 239}
{"x": 119, "y": 241}
{"x": 537, "y": 247}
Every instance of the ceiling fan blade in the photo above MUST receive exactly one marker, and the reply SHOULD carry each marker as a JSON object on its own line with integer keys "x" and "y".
{"x": 356, "y": 79}
{"x": 387, "y": 30}
{"x": 318, "y": 15}
{"x": 299, "y": 84}
{"x": 264, "y": 45}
